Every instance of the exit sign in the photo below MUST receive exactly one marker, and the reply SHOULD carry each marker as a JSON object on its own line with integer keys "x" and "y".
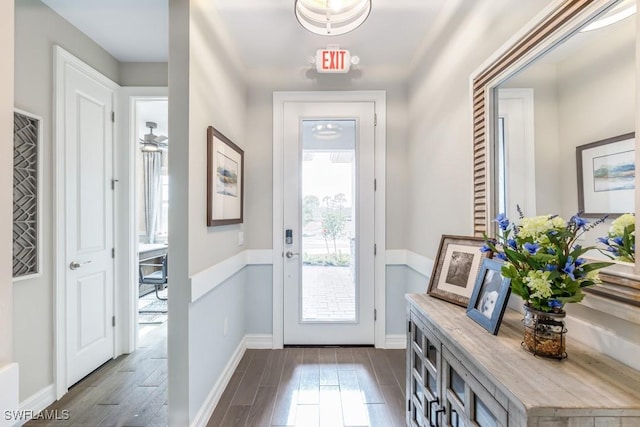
{"x": 333, "y": 61}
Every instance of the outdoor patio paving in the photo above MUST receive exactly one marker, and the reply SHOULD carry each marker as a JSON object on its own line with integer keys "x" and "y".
{"x": 328, "y": 293}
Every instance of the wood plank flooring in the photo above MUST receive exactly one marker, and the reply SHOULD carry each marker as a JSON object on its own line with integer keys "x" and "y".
{"x": 332, "y": 387}
{"x": 128, "y": 391}
{"x": 315, "y": 387}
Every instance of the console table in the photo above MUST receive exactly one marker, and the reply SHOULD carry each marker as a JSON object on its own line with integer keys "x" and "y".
{"x": 458, "y": 375}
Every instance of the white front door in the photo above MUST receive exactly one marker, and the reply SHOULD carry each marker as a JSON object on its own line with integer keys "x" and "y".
{"x": 329, "y": 222}
{"x": 88, "y": 160}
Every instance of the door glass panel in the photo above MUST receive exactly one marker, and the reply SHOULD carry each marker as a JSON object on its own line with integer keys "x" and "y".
{"x": 418, "y": 418}
{"x": 431, "y": 353}
{"x": 432, "y": 384}
{"x": 417, "y": 364}
{"x": 418, "y": 390}
{"x": 418, "y": 338}
{"x": 455, "y": 420}
{"x": 457, "y": 384}
{"x": 328, "y": 247}
{"x": 484, "y": 417}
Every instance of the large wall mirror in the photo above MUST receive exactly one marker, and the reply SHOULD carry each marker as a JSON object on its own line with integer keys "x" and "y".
{"x": 554, "y": 103}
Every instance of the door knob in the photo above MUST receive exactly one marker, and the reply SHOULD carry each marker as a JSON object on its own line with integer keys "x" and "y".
{"x": 290, "y": 254}
{"x": 76, "y": 265}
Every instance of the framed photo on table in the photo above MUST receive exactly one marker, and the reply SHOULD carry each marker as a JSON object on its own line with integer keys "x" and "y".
{"x": 490, "y": 296}
{"x": 606, "y": 176}
{"x": 225, "y": 180}
{"x": 455, "y": 269}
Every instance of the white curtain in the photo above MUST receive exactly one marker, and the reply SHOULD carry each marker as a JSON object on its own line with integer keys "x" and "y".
{"x": 152, "y": 162}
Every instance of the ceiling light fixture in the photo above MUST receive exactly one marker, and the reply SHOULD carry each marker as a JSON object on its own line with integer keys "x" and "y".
{"x": 620, "y": 11}
{"x": 151, "y": 141}
{"x": 332, "y": 17}
{"x": 325, "y": 130}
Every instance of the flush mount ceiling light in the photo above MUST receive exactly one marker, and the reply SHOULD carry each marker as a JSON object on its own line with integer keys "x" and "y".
{"x": 620, "y": 11}
{"x": 332, "y": 17}
{"x": 326, "y": 130}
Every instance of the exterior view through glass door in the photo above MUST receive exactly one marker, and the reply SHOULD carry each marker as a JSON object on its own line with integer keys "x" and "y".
{"x": 329, "y": 223}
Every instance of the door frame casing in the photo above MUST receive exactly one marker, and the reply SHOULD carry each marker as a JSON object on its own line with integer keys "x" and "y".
{"x": 62, "y": 58}
{"x": 379, "y": 100}
{"x": 127, "y": 234}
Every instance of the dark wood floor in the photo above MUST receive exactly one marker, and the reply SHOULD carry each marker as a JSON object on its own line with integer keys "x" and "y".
{"x": 306, "y": 387}
{"x": 309, "y": 387}
{"x": 128, "y": 391}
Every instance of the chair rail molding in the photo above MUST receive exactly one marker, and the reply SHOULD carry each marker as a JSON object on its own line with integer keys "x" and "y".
{"x": 207, "y": 280}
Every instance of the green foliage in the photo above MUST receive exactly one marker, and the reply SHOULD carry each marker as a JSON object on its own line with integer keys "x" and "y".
{"x": 310, "y": 207}
{"x": 332, "y": 260}
{"x": 620, "y": 241}
{"x": 333, "y": 219}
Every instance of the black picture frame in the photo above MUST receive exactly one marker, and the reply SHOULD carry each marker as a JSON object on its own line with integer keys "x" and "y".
{"x": 490, "y": 295}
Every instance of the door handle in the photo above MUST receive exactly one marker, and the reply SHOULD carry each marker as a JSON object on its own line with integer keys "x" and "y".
{"x": 290, "y": 254}
{"x": 76, "y": 265}
{"x": 442, "y": 411}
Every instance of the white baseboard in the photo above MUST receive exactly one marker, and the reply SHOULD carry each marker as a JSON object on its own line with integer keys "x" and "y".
{"x": 259, "y": 341}
{"x": 38, "y": 402}
{"x": 206, "y": 410}
{"x": 396, "y": 341}
{"x": 8, "y": 392}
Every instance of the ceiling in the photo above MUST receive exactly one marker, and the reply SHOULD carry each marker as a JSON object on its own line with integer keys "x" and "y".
{"x": 265, "y": 33}
{"x": 130, "y": 30}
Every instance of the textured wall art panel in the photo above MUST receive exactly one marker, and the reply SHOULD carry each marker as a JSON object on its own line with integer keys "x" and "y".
{"x": 26, "y": 131}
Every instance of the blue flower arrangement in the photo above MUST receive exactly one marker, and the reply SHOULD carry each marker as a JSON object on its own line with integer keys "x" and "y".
{"x": 542, "y": 259}
{"x": 620, "y": 242}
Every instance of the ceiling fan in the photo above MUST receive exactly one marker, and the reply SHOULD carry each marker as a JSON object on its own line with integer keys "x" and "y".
{"x": 153, "y": 142}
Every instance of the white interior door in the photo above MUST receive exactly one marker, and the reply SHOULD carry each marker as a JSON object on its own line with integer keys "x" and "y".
{"x": 516, "y": 172}
{"x": 329, "y": 223}
{"x": 88, "y": 160}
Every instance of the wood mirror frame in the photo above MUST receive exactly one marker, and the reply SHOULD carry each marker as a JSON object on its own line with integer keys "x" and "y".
{"x": 562, "y": 18}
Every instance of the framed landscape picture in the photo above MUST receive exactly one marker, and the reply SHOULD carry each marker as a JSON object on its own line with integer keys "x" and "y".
{"x": 225, "y": 180}
{"x": 455, "y": 269}
{"x": 606, "y": 176}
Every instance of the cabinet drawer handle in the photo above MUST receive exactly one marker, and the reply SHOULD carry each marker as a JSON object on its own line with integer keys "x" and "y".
{"x": 439, "y": 411}
{"x": 433, "y": 402}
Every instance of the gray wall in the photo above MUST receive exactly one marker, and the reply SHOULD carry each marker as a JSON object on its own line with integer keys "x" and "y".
{"x": 259, "y": 299}
{"x": 6, "y": 183}
{"x": 144, "y": 74}
{"x": 439, "y": 153}
{"x": 37, "y": 30}
{"x": 205, "y": 88}
{"x": 210, "y": 349}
